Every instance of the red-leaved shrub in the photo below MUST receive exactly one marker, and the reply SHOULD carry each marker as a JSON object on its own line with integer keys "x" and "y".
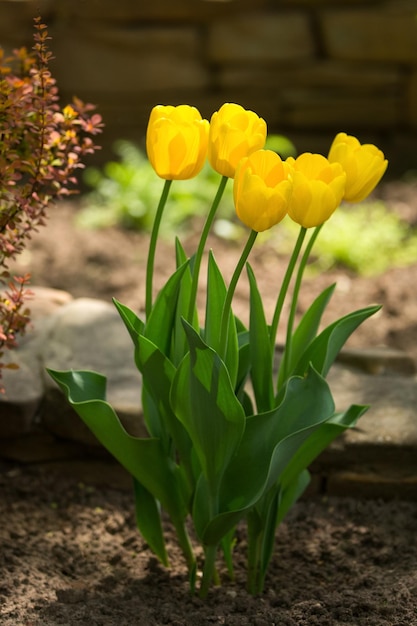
{"x": 41, "y": 147}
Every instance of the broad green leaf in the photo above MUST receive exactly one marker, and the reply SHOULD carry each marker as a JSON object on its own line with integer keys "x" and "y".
{"x": 254, "y": 530}
{"x": 244, "y": 364}
{"x": 228, "y": 543}
{"x": 159, "y": 326}
{"x": 307, "y": 330}
{"x": 268, "y": 519}
{"x": 260, "y": 349}
{"x": 144, "y": 459}
{"x": 203, "y": 399}
{"x": 180, "y": 255}
{"x": 179, "y": 341}
{"x": 153, "y": 419}
{"x": 216, "y": 294}
{"x": 158, "y": 374}
{"x": 148, "y": 521}
{"x": 202, "y": 512}
{"x": 324, "y": 349}
{"x": 319, "y": 440}
{"x": 269, "y": 442}
{"x": 133, "y": 323}
{"x": 291, "y": 493}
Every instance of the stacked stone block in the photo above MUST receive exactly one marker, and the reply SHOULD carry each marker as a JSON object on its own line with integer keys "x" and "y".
{"x": 310, "y": 67}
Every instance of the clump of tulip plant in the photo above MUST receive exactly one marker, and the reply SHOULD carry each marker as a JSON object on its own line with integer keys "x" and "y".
{"x": 230, "y": 437}
{"x": 41, "y": 148}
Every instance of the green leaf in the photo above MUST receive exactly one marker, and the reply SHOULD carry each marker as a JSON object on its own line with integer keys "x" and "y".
{"x": 148, "y": 521}
{"x": 323, "y": 350}
{"x": 133, "y": 323}
{"x": 291, "y": 493}
{"x": 144, "y": 459}
{"x": 159, "y": 326}
{"x": 319, "y": 440}
{"x": 180, "y": 255}
{"x": 203, "y": 399}
{"x": 269, "y": 442}
{"x": 307, "y": 329}
{"x": 295, "y": 477}
{"x": 269, "y": 522}
{"x": 216, "y": 294}
{"x": 260, "y": 349}
{"x": 262, "y": 522}
{"x": 158, "y": 373}
{"x": 179, "y": 339}
{"x": 244, "y": 363}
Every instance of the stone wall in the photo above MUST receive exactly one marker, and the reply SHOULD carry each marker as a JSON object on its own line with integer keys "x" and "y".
{"x": 309, "y": 67}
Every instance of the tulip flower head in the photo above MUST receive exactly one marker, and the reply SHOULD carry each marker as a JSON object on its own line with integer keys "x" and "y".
{"x": 262, "y": 190}
{"x": 318, "y": 188}
{"x": 176, "y": 141}
{"x": 234, "y": 133}
{"x": 364, "y": 165}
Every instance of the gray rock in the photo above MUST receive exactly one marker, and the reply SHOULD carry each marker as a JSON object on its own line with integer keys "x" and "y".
{"x": 88, "y": 334}
{"x": 19, "y": 406}
{"x": 392, "y": 416}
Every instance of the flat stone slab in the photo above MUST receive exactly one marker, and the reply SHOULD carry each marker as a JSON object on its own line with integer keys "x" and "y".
{"x": 392, "y": 415}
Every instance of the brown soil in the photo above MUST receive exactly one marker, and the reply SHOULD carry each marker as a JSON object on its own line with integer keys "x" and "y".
{"x": 70, "y": 553}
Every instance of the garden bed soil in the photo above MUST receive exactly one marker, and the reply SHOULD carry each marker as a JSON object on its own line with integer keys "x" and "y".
{"x": 70, "y": 553}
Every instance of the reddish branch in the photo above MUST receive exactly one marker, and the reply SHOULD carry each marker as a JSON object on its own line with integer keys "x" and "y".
{"x": 41, "y": 147}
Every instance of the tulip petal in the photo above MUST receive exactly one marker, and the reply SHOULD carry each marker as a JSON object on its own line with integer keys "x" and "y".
{"x": 234, "y": 134}
{"x": 364, "y": 165}
{"x": 176, "y": 141}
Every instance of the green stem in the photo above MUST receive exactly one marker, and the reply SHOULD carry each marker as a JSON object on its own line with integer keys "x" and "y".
{"x": 224, "y": 325}
{"x": 152, "y": 246}
{"x": 284, "y": 287}
{"x": 187, "y": 550}
{"x": 254, "y": 554}
{"x": 201, "y": 246}
{"x": 294, "y": 301}
{"x": 209, "y": 569}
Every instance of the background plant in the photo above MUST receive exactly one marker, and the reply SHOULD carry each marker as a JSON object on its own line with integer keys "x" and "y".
{"x": 41, "y": 148}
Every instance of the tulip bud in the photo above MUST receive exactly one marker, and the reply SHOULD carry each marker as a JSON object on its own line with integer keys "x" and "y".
{"x": 318, "y": 188}
{"x": 234, "y": 133}
{"x": 262, "y": 190}
{"x": 364, "y": 165}
{"x": 176, "y": 141}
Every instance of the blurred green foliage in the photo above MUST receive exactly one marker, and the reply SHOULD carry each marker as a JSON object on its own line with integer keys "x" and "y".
{"x": 126, "y": 193}
{"x": 367, "y": 238}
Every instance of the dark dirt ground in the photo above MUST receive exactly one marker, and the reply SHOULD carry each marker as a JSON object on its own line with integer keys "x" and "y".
{"x": 70, "y": 553}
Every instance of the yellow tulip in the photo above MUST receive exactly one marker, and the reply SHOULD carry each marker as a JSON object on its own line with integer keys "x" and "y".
{"x": 262, "y": 190}
{"x": 318, "y": 188}
{"x": 234, "y": 133}
{"x": 364, "y": 165}
{"x": 176, "y": 141}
